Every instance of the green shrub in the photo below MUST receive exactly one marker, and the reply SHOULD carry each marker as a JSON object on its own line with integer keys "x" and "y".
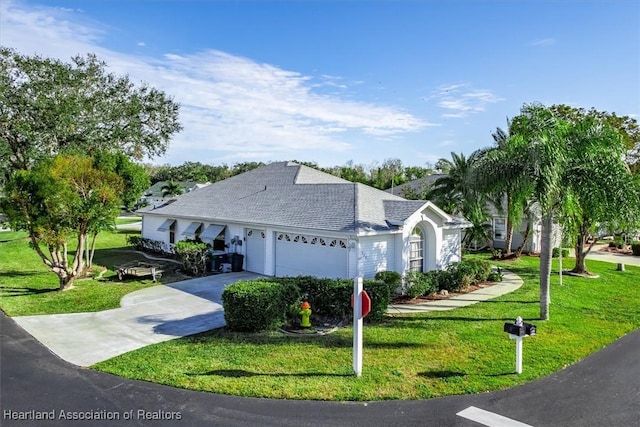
{"x": 254, "y": 306}
{"x": 380, "y": 296}
{"x": 481, "y": 269}
{"x": 194, "y": 256}
{"x": 391, "y": 278}
{"x": 635, "y": 248}
{"x": 419, "y": 284}
{"x": 555, "y": 252}
{"x": 617, "y": 243}
{"x": 495, "y": 276}
{"x": 329, "y": 297}
{"x": 460, "y": 275}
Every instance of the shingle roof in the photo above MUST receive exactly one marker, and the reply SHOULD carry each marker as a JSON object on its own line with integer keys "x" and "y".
{"x": 292, "y": 195}
{"x": 156, "y": 189}
{"x": 417, "y": 185}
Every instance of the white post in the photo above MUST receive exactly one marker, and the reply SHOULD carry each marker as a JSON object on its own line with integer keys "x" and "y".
{"x": 357, "y": 326}
{"x": 518, "y": 348}
{"x": 518, "y": 355}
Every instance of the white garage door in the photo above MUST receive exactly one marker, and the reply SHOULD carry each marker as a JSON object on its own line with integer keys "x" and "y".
{"x": 305, "y": 255}
{"x": 254, "y": 261}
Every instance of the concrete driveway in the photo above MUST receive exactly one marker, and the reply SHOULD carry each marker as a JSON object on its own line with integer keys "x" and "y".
{"x": 148, "y": 316}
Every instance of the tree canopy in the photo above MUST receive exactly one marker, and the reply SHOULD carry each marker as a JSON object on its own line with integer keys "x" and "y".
{"x": 60, "y": 198}
{"x": 68, "y": 132}
{"x": 48, "y": 107}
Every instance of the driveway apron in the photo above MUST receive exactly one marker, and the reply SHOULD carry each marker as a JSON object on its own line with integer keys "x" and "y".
{"x": 148, "y": 316}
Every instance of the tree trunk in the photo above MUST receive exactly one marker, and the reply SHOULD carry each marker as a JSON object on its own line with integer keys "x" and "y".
{"x": 525, "y": 237}
{"x": 508, "y": 239}
{"x": 66, "y": 282}
{"x": 509, "y": 225}
{"x": 93, "y": 248}
{"x": 581, "y": 253}
{"x": 580, "y": 266}
{"x": 545, "y": 265}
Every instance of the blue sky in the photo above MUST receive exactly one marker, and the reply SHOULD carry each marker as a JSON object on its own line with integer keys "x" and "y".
{"x": 331, "y": 82}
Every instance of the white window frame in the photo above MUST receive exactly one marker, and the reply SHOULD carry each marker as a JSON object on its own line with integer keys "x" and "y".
{"x": 499, "y": 232}
{"x": 416, "y": 250}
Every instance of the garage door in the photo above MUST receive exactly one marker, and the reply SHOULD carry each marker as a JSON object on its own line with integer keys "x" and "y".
{"x": 254, "y": 261}
{"x": 305, "y": 255}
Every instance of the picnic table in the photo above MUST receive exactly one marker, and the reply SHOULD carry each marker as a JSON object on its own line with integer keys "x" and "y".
{"x": 140, "y": 269}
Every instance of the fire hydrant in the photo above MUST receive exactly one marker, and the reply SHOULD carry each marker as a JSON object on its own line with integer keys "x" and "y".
{"x": 305, "y": 313}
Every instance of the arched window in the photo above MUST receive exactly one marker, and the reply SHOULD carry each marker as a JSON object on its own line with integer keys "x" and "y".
{"x": 416, "y": 243}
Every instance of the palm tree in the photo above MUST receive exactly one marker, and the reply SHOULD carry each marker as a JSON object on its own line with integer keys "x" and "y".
{"x": 514, "y": 194}
{"x": 455, "y": 194}
{"x": 171, "y": 189}
{"x": 532, "y": 160}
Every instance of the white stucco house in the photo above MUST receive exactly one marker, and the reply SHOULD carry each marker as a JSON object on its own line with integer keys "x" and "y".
{"x": 288, "y": 220}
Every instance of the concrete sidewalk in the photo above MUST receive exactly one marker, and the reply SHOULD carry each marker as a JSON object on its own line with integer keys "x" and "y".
{"x": 510, "y": 282}
{"x": 148, "y": 316}
{"x": 598, "y": 255}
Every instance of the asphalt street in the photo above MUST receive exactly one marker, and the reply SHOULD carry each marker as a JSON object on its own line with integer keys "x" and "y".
{"x": 601, "y": 390}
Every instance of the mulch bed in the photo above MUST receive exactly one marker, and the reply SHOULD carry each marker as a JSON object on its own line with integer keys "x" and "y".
{"x": 437, "y": 297}
{"x": 626, "y": 251}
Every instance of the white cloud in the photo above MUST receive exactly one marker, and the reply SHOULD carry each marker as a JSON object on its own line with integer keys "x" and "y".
{"x": 230, "y": 104}
{"x": 461, "y": 99}
{"x": 543, "y": 42}
{"x": 141, "y": 44}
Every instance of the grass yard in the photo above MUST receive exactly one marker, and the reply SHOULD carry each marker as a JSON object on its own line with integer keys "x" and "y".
{"x": 27, "y": 287}
{"x": 122, "y": 220}
{"x": 411, "y": 357}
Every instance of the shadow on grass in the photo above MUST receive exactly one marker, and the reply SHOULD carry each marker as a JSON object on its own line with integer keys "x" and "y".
{"x": 18, "y": 292}
{"x": 441, "y": 374}
{"x": 240, "y": 373}
{"x": 10, "y": 274}
{"x": 403, "y": 319}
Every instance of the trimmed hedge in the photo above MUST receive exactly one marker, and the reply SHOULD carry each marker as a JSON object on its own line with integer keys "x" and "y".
{"x": 391, "y": 278}
{"x": 281, "y": 298}
{"x": 257, "y": 305}
{"x": 555, "y": 252}
{"x": 635, "y": 248}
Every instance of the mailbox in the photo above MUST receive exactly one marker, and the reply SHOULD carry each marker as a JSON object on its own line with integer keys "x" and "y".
{"x": 529, "y": 329}
{"x": 513, "y": 329}
{"x": 525, "y": 329}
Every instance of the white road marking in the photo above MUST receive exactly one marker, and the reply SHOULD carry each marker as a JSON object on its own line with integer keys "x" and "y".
{"x": 489, "y": 418}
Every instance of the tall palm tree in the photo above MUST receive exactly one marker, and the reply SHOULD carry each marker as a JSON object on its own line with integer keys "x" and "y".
{"x": 514, "y": 194}
{"x": 533, "y": 159}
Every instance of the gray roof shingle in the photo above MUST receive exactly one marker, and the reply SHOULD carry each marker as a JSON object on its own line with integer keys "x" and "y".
{"x": 291, "y": 195}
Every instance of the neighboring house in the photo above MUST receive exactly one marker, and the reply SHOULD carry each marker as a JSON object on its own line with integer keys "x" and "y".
{"x": 417, "y": 186}
{"x": 153, "y": 195}
{"x": 289, "y": 220}
{"x": 534, "y": 240}
{"x": 498, "y": 221}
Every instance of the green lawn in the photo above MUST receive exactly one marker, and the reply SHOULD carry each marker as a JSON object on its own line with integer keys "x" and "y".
{"x": 128, "y": 220}
{"x": 411, "y": 357}
{"x": 27, "y": 287}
